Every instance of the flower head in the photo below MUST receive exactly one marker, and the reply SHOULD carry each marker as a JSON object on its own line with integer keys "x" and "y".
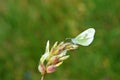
{"x": 55, "y": 56}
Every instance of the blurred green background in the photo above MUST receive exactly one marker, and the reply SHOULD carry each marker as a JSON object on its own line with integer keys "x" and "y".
{"x": 26, "y": 25}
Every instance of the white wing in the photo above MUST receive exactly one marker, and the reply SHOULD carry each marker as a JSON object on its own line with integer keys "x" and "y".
{"x": 85, "y": 38}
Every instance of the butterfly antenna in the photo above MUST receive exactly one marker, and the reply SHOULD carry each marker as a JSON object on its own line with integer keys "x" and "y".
{"x": 67, "y": 38}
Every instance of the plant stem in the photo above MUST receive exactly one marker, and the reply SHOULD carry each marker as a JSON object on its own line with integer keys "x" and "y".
{"x": 43, "y": 76}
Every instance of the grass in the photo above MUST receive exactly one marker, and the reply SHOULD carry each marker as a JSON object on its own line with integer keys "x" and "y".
{"x": 26, "y": 25}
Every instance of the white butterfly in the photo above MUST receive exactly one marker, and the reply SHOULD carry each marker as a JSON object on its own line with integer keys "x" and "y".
{"x": 85, "y": 38}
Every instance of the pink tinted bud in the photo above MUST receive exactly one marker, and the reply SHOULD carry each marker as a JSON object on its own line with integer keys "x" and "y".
{"x": 51, "y": 68}
{"x": 53, "y": 60}
{"x": 42, "y": 69}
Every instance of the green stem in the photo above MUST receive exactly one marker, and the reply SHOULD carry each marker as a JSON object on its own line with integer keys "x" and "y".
{"x": 43, "y": 77}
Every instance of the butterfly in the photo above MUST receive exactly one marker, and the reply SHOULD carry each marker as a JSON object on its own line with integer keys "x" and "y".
{"x": 85, "y": 38}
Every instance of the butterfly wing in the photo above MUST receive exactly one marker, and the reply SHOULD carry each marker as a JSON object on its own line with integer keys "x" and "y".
{"x": 85, "y": 38}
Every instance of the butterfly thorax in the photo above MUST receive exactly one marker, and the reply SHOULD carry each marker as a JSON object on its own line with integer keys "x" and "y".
{"x": 74, "y": 41}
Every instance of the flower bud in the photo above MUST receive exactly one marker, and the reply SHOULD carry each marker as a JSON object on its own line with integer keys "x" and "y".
{"x": 53, "y": 49}
{"x": 51, "y": 68}
{"x": 42, "y": 69}
{"x": 64, "y": 57}
{"x": 58, "y": 64}
{"x": 46, "y": 54}
{"x": 63, "y": 53}
{"x": 71, "y": 47}
{"x": 53, "y": 60}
